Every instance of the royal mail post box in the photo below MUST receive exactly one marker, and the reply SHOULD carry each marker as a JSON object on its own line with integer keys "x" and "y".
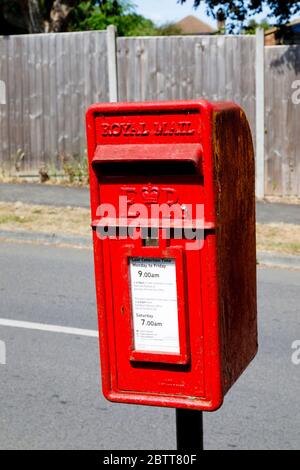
{"x": 173, "y": 217}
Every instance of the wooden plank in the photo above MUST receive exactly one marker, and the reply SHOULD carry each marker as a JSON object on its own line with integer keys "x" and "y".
{"x": 46, "y": 157}
{"x": 122, "y": 68}
{"x": 202, "y": 48}
{"x": 282, "y": 121}
{"x": 68, "y": 50}
{"x": 260, "y": 113}
{"x": 53, "y": 131}
{"x": 61, "y": 116}
{"x": 173, "y": 69}
{"x": 112, "y": 64}
{"x": 36, "y": 129}
{"x": 76, "y": 116}
{"x": 39, "y": 153}
{"x": 11, "y": 105}
{"x": 151, "y": 67}
{"x": 220, "y": 76}
{"x": 101, "y": 92}
{"x": 80, "y": 89}
{"x": 250, "y": 102}
{"x": 160, "y": 69}
{"x": 17, "y": 127}
{"x": 25, "y": 165}
{"x": 131, "y": 82}
{"x": 143, "y": 70}
{"x": 4, "y": 109}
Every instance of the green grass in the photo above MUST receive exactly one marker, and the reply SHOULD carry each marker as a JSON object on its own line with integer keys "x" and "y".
{"x": 11, "y": 218}
{"x": 288, "y": 247}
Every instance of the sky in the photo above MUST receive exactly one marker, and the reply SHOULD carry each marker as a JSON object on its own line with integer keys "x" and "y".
{"x": 164, "y": 11}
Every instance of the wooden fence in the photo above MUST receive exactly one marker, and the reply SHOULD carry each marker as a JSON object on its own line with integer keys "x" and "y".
{"x": 282, "y": 121}
{"x": 188, "y": 67}
{"x": 51, "y": 80}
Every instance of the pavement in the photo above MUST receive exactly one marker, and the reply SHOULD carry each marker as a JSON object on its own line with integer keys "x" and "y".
{"x": 63, "y": 196}
{"x": 50, "y": 392}
{"x": 60, "y": 196}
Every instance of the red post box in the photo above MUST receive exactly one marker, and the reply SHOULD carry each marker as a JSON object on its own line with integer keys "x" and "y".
{"x": 173, "y": 213}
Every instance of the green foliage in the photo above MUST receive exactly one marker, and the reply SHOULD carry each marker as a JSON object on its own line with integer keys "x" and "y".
{"x": 168, "y": 29}
{"x": 35, "y": 16}
{"x": 237, "y": 12}
{"x": 77, "y": 170}
{"x": 94, "y": 16}
{"x": 12, "y": 20}
{"x": 253, "y": 25}
{"x": 23, "y": 16}
{"x": 12, "y": 218}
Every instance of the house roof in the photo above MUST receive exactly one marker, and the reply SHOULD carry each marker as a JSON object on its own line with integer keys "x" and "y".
{"x": 295, "y": 22}
{"x": 192, "y": 25}
{"x": 275, "y": 28}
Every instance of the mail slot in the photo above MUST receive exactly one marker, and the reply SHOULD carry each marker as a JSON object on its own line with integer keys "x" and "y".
{"x": 173, "y": 218}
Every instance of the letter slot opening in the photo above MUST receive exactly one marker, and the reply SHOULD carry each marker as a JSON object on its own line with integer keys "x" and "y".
{"x": 150, "y": 168}
{"x": 159, "y": 159}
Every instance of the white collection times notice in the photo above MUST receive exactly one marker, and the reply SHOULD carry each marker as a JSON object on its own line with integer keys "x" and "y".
{"x": 154, "y": 305}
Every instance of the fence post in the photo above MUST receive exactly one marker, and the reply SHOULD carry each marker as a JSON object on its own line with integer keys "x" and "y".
{"x": 111, "y": 38}
{"x": 260, "y": 113}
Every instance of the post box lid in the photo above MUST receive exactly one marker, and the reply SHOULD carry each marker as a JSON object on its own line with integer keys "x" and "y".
{"x": 189, "y": 152}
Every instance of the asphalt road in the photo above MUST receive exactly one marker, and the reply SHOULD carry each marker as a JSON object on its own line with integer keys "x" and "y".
{"x": 79, "y": 197}
{"x": 44, "y": 194}
{"x": 50, "y": 387}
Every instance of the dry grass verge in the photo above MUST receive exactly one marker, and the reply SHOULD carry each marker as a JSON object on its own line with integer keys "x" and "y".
{"x": 35, "y": 218}
{"x": 282, "y": 238}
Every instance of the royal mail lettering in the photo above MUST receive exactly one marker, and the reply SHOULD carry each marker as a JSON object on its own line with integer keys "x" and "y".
{"x": 126, "y": 129}
{"x": 173, "y": 128}
{"x": 141, "y": 129}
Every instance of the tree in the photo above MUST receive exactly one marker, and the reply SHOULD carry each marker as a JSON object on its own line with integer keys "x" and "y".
{"x": 251, "y": 27}
{"x": 35, "y": 16}
{"x": 237, "y": 11}
{"x": 168, "y": 29}
{"x": 94, "y": 16}
{"x": 11, "y": 18}
{"x": 38, "y": 16}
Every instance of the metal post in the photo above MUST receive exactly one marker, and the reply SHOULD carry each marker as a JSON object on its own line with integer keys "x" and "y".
{"x": 112, "y": 63}
{"x": 260, "y": 113}
{"x": 189, "y": 429}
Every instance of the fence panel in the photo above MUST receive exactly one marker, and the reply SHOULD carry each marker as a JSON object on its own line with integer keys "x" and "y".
{"x": 51, "y": 79}
{"x": 188, "y": 67}
{"x": 282, "y": 152}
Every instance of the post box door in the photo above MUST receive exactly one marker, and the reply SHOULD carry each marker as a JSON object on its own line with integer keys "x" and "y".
{"x": 179, "y": 367}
